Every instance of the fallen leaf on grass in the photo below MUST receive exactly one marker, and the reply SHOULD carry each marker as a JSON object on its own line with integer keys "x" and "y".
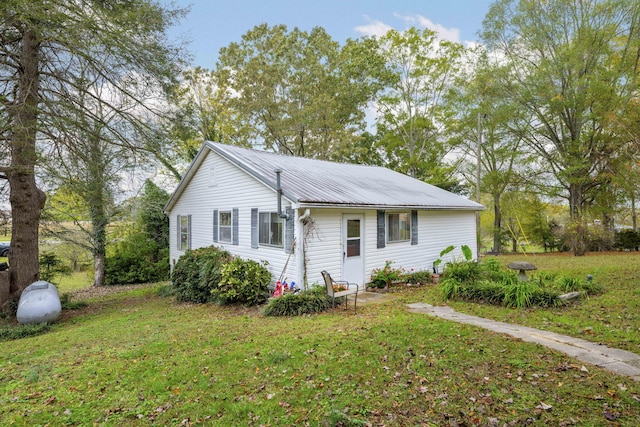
{"x": 543, "y": 406}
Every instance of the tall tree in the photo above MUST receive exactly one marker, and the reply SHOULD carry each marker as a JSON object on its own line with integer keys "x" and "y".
{"x": 90, "y": 160}
{"x": 412, "y": 111}
{"x": 298, "y": 92}
{"x": 198, "y": 113}
{"x": 44, "y": 47}
{"x": 503, "y": 158}
{"x": 571, "y": 63}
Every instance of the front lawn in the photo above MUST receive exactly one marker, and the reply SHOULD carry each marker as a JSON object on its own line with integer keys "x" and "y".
{"x": 136, "y": 358}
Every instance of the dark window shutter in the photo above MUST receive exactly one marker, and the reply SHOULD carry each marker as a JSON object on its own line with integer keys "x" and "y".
{"x": 189, "y": 232}
{"x": 414, "y": 227}
{"x": 234, "y": 224}
{"x": 254, "y": 228}
{"x": 215, "y": 226}
{"x": 381, "y": 236}
{"x": 288, "y": 237}
{"x": 179, "y": 230}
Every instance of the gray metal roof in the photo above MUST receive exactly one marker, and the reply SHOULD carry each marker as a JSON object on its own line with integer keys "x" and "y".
{"x": 310, "y": 182}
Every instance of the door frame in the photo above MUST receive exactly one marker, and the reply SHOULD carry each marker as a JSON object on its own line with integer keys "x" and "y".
{"x": 353, "y": 271}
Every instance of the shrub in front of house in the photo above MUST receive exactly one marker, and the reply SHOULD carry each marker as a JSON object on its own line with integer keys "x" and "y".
{"x": 197, "y": 272}
{"x": 242, "y": 281}
{"x": 385, "y": 276}
{"x": 314, "y": 300}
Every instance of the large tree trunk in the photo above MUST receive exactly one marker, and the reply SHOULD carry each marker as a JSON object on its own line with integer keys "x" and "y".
{"x": 26, "y": 199}
{"x": 578, "y": 239}
{"x": 99, "y": 270}
{"x": 497, "y": 225}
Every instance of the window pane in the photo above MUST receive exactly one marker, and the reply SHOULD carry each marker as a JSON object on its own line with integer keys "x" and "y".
{"x": 225, "y": 234}
{"x": 184, "y": 233}
{"x": 353, "y": 247}
{"x": 405, "y": 226}
{"x": 353, "y": 228}
{"x": 399, "y": 227}
{"x": 225, "y": 218}
{"x": 276, "y": 229}
{"x": 393, "y": 234}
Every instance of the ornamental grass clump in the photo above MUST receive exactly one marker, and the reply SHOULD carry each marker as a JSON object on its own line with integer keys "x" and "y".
{"x": 312, "y": 301}
{"x": 488, "y": 282}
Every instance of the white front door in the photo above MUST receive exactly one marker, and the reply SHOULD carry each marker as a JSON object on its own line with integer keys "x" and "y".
{"x": 353, "y": 249}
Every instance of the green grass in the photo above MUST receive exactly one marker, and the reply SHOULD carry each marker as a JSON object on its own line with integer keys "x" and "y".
{"x": 136, "y": 358}
{"x": 73, "y": 282}
{"x": 611, "y": 318}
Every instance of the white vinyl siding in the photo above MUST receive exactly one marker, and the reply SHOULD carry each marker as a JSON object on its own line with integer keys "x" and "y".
{"x": 235, "y": 190}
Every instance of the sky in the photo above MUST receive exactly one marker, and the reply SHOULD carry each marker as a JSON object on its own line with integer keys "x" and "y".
{"x": 213, "y": 24}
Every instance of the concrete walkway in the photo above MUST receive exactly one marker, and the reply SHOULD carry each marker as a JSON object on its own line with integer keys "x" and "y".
{"x": 617, "y": 361}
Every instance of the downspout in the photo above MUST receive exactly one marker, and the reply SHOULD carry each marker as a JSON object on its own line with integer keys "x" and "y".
{"x": 279, "y": 191}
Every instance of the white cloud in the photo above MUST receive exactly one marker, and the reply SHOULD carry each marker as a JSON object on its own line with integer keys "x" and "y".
{"x": 374, "y": 28}
{"x": 451, "y": 34}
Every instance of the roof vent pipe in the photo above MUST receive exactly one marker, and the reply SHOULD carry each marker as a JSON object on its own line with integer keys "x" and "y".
{"x": 279, "y": 190}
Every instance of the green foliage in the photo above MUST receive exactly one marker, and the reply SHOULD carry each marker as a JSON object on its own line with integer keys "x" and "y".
{"x": 315, "y": 300}
{"x": 274, "y": 63}
{"x": 518, "y": 294}
{"x": 418, "y": 277}
{"x": 451, "y": 288}
{"x": 466, "y": 252}
{"x": 136, "y": 259}
{"x": 381, "y": 277}
{"x": 581, "y": 72}
{"x": 141, "y": 255}
{"x": 413, "y": 113}
{"x": 443, "y": 252}
{"x": 491, "y": 283}
{"x": 242, "y": 281}
{"x": 627, "y": 240}
{"x": 155, "y": 224}
{"x": 52, "y": 266}
{"x": 462, "y": 271}
{"x": 14, "y": 332}
{"x": 197, "y": 272}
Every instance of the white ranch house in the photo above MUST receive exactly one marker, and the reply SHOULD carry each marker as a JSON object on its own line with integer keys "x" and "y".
{"x": 344, "y": 218}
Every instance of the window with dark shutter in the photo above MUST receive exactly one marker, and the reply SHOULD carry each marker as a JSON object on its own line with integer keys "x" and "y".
{"x": 380, "y": 231}
{"x": 414, "y": 227}
{"x": 215, "y": 226}
{"x": 235, "y": 226}
{"x": 254, "y": 228}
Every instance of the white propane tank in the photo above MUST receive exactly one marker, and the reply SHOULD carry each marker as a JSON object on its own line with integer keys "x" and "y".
{"x": 39, "y": 303}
